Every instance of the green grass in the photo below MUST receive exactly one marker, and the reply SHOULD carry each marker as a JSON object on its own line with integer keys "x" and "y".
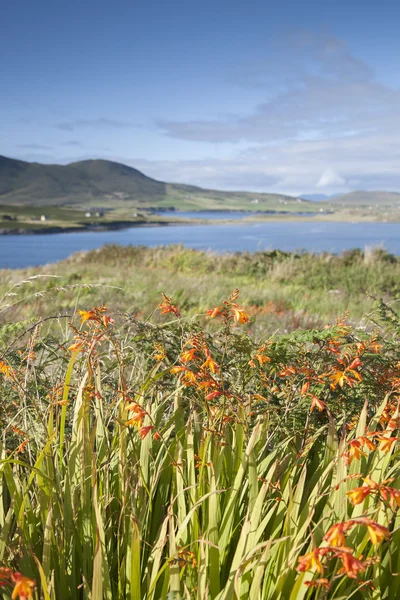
{"x": 123, "y": 479}
{"x": 283, "y": 291}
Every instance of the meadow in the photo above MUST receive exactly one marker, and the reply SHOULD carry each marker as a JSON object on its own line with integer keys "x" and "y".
{"x": 165, "y": 436}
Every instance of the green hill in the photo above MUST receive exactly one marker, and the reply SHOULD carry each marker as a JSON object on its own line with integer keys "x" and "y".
{"x": 106, "y": 184}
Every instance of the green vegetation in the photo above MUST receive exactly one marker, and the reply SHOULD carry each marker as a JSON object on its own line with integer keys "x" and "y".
{"x": 118, "y": 196}
{"x": 102, "y": 184}
{"x": 282, "y": 291}
{"x": 157, "y": 459}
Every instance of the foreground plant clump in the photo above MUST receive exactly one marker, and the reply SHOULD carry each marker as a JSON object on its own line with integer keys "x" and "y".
{"x": 161, "y": 461}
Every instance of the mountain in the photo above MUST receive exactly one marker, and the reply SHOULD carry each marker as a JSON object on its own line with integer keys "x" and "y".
{"x": 362, "y": 198}
{"x": 107, "y": 184}
{"x": 35, "y": 183}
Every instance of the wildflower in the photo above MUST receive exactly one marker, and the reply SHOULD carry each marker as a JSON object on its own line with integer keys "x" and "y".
{"x": 138, "y": 414}
{"x": 23, "y": 586}
{"x": 214, "y": 312}
{"x": 189, "y": 378}
{"x": 87, "y": 315}
{"x": 304, "y": 388}
{"x": 335, "y": 535}
{"x": 188, "y": 355}
{"x": 106, "y": 320}
{"x": 178, "y": 369}
{"x": 307, "y": 561}
{"x": 377, "y": 533}
{"x": 211, "y": 365}
{"x": 391, "y": 494}
{"x": 365, "y": 441}
{"x": 186, "y": 557}
{"x": 143, "y": 431}
{"x": 317, "y": 403}
{"x": 78, "y": 345}
{"x": 21, "y": 447}
{"x": 168, "y": 307}
{"x": 386, "y": 443}
{"x": 352, "y": 566}
{"x": 239, "y": 316}
{"x": 355, "y": 450}
{"x": 159, "y": 352}
{"x": 213, "y": 395}
{"x": 358, "y": 495}
{"x": 5, "y": 369}
{"x": 324, "y": 582}
{"x": 5, "y": 575}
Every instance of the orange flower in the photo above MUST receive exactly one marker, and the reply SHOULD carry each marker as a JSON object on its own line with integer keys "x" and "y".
{"x": 76, "y": 346}
{"x": 318, "y": 582}
{"x": 189, "y": 378}
{"x": 304, "y": 388}
{"x": 214, "y": 312}
{"x": 386, "y": 443}
{"x": 143, "y": 431}
{"x": 335, "y": 535}
{"x": 239, "y": 316}
{"x": 178, "y": 369}
{"x": 317, "y": 403}
{"x": 358, "y": 495}
{"x": 168, "y": 307}
{"x": 352, "y": 566}
{"x": 367, "y": 442}
{"x": 87, "y": 315}
{"x": 307, "y": 561}
{"x": 23, "y": 586}
{"x": 138, "y": 415}
{"x": 389, "y": 493}
{"x": 377, "y": 533}
{"x": 5, "y": 574}
{"x": 371, "y": 484}
{"x": 159, "y": 352}
{"x": 6, "y": 369}
{"x": 355, "y": 450}
{"x": 211, "y": 365}
{"x": 188, "y": 355}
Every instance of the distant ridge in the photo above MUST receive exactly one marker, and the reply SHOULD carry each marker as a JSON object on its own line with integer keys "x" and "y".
{"x": 359, "y": 198}
{"x": 108, "y": 184}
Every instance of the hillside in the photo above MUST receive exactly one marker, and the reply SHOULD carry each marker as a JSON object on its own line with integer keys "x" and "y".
{"x": 106, "y": 184}
{"x": 371, "y": 198}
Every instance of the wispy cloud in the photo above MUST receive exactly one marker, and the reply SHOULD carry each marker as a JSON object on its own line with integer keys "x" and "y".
{"x": 99, "y": 123}
{"x": 326, "y": 122}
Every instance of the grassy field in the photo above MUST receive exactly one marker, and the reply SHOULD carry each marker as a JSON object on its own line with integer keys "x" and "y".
{"x": 283, "y": 292}
{"x": 152, "y": 452}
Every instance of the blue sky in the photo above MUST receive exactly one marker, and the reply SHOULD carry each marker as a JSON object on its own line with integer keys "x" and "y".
{"x": 290, "y": 96}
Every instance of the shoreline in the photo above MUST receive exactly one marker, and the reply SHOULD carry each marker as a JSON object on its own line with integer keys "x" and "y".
{"x": 266, "y": 218}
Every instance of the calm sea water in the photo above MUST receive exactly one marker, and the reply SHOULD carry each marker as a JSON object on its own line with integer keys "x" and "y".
{"x": 30, "y": 250}
{"x": 218, "y": 215}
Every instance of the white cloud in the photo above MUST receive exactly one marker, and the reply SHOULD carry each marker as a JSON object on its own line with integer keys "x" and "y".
{"x": 330, "y": 178}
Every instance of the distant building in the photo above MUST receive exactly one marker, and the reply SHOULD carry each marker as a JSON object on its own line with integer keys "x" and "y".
{"x": 43, "y": 218}
{"x": 88, "y": 214}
